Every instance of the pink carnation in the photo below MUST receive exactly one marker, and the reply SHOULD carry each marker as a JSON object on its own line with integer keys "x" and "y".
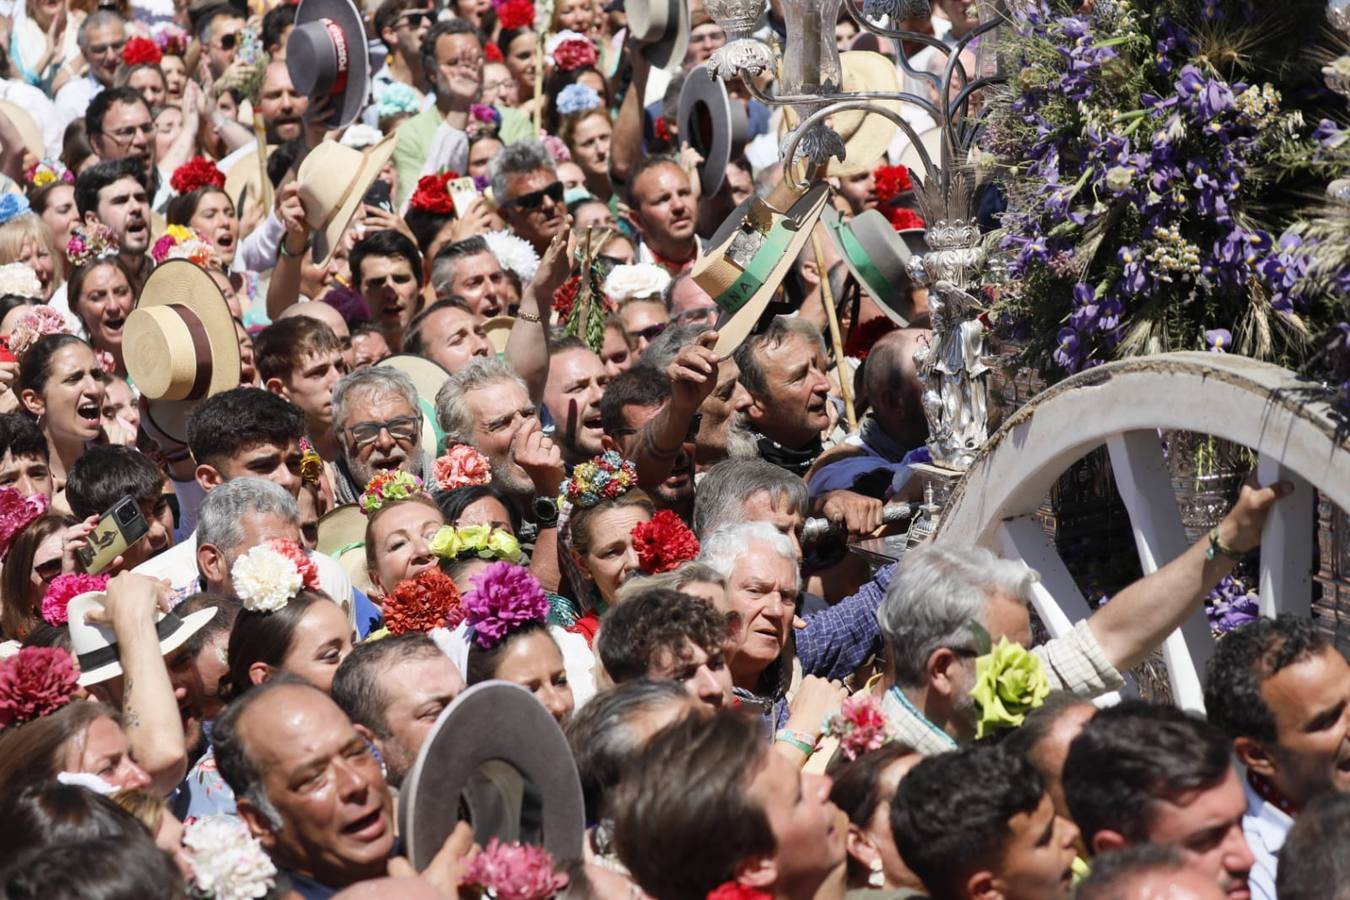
{"x": 515, "y": 872}
{"x": 63, "y": 589}
{"x": 860, "y": 726}
{"x": 35, "y": 682}
{"x": 17, "y": 512}
{"x": 504, "y": 597}
{"x": 37, "y": 323}
{"x": 106, "y": 361}
{"x": 556, "y": 147}
{"x": 459, "y": 466}
{"x": 309, "y": 572}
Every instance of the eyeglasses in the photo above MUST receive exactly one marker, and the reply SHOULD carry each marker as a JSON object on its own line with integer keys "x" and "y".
{"x": 100, "y": 49}
{"x": 128, "y": 134}
{"x": 650, "y": 333}
{"x": 417, "y": 18}
{"x": 535, "y": 199}
{"x": 404, "y": 430}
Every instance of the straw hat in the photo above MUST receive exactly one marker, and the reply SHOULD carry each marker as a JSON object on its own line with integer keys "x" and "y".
{"x": 26, "y": 126}
{"x": 342, "y": 536}
{"x": 244, "y": 181}
{"x": 326, "y": 54}
{"x": 95, "y": 646}
{"x": 931, "y": 138}
{"x": 751, "y": 253}
{"x": 485, "y": 747}
{"x": 180, "y": 344}
{"x": 714, "y": 124}
{"x": 427, "y": 377}
{"x": 497, "y": 330}
{"x": 866, "y": 135}
{"x": 878, "y": 256}
{"x": 661, "y": 29}
{"x": 333, "y": 179}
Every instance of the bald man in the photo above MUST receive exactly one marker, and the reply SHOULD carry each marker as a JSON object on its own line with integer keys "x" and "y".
{"x": 325, "y": 313}
{"x": 875, "y": 460}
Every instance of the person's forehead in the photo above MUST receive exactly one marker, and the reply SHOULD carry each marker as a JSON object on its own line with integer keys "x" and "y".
{"x": 478, "y": 263}
{"x": 760, "y": 560}
{"x": 768, "y": 505}
{"x": 120, "y": 113}
{"x": 375, "y": 403}
{"x": 660, "y": 178}
{"x": 121, "y": 187}
{"x": 1306, "y": 687}
{"x": 226, "y": 25}
{"x": 541, "y": 176}
{"x": 500, "y": 396}
{"x": 380, "y": 266}
{"x": 289, "y": 725}
{"x": 454, "y": 44}
{"x": 1176, "y": 818}
{"x": 450, "y": 319}
{"x": 110, "y": 31}
{"x": 636, "y": 415}
{"x": 276, "y": 76}
{"x": 10, "y": 461}
{"x": 412, "y": 678}
{"x": 577, "y": 362}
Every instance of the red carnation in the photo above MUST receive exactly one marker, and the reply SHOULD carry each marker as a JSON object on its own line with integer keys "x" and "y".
{"x": 141, "y": 51}
{"x": 565, "y": 296}
{"x": 733, "y": 890}
{"x": 663, "y": 543}
{"x": 492, "y": 53}
{"x": 902, "y": 218}
{"x": 428, "y": 600}
{"x": 862, "y": 338}
{"x": 574, "y": 53}
{"x": 515, "y": 14}
{"x": 197, "y": 172}
{"x": 431, "y": 196}
{"x": 35, "y": 682}
{"x": 892, "y": 181}
{"x": 661, "y": 129}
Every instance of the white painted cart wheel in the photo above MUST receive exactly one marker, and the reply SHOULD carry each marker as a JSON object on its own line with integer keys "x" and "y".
{"x": 1123, "y": 406}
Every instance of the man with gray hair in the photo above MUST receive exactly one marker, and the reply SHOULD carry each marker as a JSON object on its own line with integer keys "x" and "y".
{"x": 379, "y": 427}
{"x": 467, "y": 270}
{"x": 785, "y": 372}
{"x": 526, "y": 188}
{"x": 948, "y": 605}
{"x": 101, "y": 37}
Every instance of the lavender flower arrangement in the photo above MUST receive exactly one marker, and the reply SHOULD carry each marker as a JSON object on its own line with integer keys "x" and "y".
{"x": 1153, "y": 150}
{"x": 504, "y": 597}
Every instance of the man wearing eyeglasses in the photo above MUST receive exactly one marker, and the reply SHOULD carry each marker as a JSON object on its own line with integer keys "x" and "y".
{"x": 379, "y": 427}
{"x": 101, "y": 38}
{"x": 528, "y": 192}
{"x": 119, "y": 127}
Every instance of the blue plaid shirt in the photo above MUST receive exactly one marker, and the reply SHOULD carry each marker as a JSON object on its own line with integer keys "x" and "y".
{"x": 834, "y": 643}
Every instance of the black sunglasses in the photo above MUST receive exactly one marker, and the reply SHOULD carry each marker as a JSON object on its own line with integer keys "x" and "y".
{"x": 415, "y": 19}
{"x": 535, "y": 199}
{"x": 48, "y": 570}
{"x": 227, "y": 41}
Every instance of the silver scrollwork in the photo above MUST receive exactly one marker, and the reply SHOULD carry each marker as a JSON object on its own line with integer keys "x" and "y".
{"x": 818, "y": 145}
{"x": 744, "y": 57}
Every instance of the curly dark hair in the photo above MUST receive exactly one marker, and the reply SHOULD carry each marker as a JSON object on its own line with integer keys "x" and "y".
{"x": 1244, "y": 660}
{"x": 636, "y": 632}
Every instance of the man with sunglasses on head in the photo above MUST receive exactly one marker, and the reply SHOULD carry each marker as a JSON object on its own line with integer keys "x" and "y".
{"x": 101, "y": 38}
{"x": 528, "y": 192}
{"x": 379, "y": 428}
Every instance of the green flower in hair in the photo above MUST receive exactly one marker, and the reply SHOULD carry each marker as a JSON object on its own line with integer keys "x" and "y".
{"x": 1009, "y": 683}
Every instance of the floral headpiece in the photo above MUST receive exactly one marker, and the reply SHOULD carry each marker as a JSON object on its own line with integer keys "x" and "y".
{"x": 902, "y": 218}
{"x": 860, "y": 725}
{"x": 431, "y": 195}
{"x": 426, "y": 601}
{"x": 734, "y": 890}
{"x": 577, "y": 98}
{"x": 892, "y": 181}
{"x": 630, "y": 282}
{"x": 63, "y": 589}
{"x": 862, "y": 338}
{"x": 1009, "y": 683}
{"x": 197, "y": 172}
{"x": 515, "y": 14}
{"x": 483, "y": 119}
{"x": 556, "y": 147}
{"x": 663, "y": 543}
{"x": 504, "y": 597}
{"x": 17, "y": 512}
{"x": 481, "y": 541}
{"x": 139, "y": 51}
{"x": 396, "y": 99}
{"x": 606, "y": 477}
{"x": 492, "y": 53}
{"x": 12, "y": 206}
{"x": 32, "y": 326}
{"x": 19, "y": 278}
{"x": 47, "y": 171}
{"x": 387, "y": 485}
{"x": 91, "y": 242}
{"x": 311, "y": 463}
{"x": 181, "y": 242}
{"x": 228, "y": 863}
{"x": 568, "y": 51}
{"x": 460, "y": 466}
{"x": 35, "y": 682}
{"x": 514, "y": 253}
{"x": 269, "y": 575}
{"x": 514, "y": 871}
{"x": 170, "y": 38}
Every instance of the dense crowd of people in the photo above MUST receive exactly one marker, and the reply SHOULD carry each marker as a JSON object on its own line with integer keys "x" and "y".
{"x": 352, "y": 358}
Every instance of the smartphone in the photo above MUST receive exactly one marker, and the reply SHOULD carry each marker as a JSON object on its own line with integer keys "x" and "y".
{"x": 378, "y": 196}
{"x": 463, "y": 192}
{"x": 117, "y": 529}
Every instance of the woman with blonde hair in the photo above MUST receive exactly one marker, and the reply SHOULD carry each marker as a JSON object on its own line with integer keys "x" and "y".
{"x": 25, "y": 238}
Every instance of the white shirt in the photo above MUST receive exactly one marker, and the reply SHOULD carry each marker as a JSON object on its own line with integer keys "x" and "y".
{"x": 1265, "y": 826}
{"x": 73, "y": 99}
{"x": 43, "y": 111}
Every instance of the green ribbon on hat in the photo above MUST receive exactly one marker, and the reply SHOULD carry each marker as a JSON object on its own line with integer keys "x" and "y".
{"x": 857, "y": 254}
{"x": 761, "y": 267}
{"x": 429, "y": 414}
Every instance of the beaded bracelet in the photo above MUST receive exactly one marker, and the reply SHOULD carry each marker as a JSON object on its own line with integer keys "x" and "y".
{"x": 799, "y": 739}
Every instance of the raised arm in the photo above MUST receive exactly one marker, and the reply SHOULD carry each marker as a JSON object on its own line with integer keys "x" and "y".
{"x": 693, "y": 376}
{"x": 626, "y": 142}
{"x": 527, "y": 344}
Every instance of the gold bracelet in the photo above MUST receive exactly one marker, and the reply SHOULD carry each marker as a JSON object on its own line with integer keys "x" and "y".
{"x": 1218, "y": 547}
{"x": 526, "y": 317}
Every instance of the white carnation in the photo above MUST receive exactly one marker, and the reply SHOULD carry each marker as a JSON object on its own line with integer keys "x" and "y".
{"x": 20, "y": 279}
{"x": 265, "y": 580}
{"x": 360, "y": 136}
{"x": 514, "y": 253}
{"x": 639, "y": 280}
{"x": 228, "y": 863}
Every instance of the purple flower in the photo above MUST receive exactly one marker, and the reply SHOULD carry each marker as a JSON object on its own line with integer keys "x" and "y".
{"x": 1217, "y": 339}
{"x": 1068, "y": 355}
{"x": 1204, "y": 97}
{"x": 504, "y": 597}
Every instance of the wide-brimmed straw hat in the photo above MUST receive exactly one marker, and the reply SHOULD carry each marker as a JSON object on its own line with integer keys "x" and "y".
{"x": 180, "y": 344}
{"x": 713, "y": 124}
{"x": 750, "y": 254}
{"x": 866, "y": 135}
{"x": 333, "y": 179}
{"x": 26, "y": 126}
{"x": 246, "y": 182}
{"x": 878, "y": 256}
{"x": 326, "y": 54}
{"x": 497, "y": 330}
{"x": 95, "y": 646}
{"x": 498, "y": 752}
{"x": 427, "y": 377}
{"x": 661, "y": 29}
{"x": 342, "y": 536}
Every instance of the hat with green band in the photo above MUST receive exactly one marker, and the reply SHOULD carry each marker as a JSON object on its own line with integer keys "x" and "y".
{"x": 878, "y": 257}
{"x": 750, "y": 254}
{"x": 427, "y": 377}
{"x": 342, "y": 536}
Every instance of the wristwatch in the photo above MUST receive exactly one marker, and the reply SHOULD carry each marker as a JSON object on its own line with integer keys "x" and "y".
{"x": 546, "y": 512}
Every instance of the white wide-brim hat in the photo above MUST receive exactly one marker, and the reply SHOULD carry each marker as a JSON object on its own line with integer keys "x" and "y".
{"x": 95, "y": 646}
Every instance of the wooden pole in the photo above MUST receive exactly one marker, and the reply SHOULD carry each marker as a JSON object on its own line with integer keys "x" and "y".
{"x": 264, "y": 183}
{"x": 832, "y": 318}
{"x": 539, "y": 80}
